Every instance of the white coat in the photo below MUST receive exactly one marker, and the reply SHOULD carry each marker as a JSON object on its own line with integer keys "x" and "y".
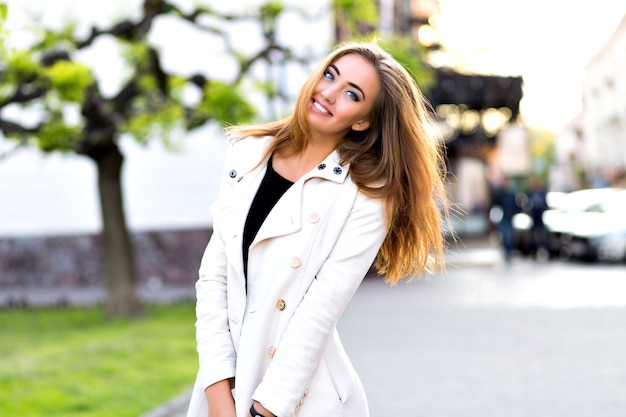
{"x": 278, "y": 343}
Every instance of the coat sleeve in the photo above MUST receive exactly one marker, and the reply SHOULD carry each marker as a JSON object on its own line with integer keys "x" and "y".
{"x": 214, "y": 344}
{"x": 301, "y": 347}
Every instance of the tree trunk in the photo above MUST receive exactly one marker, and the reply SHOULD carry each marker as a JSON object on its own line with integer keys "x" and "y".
{"x": 122, "y": 298}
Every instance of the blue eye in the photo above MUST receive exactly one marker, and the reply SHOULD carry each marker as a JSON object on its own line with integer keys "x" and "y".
{"x": 329, "y": 75}
{"x": 353, "y": 95}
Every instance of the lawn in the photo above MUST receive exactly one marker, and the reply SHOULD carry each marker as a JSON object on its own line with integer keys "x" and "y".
{"x": 74, "y": 362}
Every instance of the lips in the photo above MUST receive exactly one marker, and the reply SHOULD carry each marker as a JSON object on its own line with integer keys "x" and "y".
{"x": 321, "y": 109}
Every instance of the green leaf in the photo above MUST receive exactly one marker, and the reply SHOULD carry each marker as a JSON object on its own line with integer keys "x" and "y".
{"x": 3, "y": 11}
{"x": 158, "y": 122}
{"x": 271, "y": 9}
{"x": 70, "y": 79}
{"x": 358, "y": 11}
{"x": 57, "y": 136}
{"x": 52, "y": 39}
{"x": 225, "y": 104}
{"x": 406, "y": 50}
{"x": 20, "y": 64}
{"x": 134, "y": 53}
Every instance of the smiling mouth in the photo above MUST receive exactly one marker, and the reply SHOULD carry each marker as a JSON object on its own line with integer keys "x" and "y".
{"x": 321, "y": 108}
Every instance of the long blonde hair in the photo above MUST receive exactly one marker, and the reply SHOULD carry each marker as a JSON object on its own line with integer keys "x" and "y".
{"x": 399, "y": 150}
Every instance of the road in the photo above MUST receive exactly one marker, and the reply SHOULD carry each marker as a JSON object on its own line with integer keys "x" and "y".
{"x": 530, "y": 339}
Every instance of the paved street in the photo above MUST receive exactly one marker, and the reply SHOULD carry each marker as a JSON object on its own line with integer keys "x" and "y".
{"x": 528, "y": 340}
{"x": 531, "y": 339}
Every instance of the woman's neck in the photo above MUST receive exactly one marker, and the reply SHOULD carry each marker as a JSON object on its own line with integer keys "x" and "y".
{"x": 292, "y": 166}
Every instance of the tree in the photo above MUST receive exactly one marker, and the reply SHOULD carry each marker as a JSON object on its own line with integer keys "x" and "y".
{"x": 75, "y": 116}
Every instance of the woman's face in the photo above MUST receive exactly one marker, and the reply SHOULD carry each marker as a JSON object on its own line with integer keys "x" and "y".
{"x": 344, "y": 97}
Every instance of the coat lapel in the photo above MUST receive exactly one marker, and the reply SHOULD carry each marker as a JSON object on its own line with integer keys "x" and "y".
{"x": 286, "y": 216}
{"x": 246, "y": 182}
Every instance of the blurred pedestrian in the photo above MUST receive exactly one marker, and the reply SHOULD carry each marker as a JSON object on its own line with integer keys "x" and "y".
{"x": 537, "y": 204}
{"x": 505, "y": 198}
{"x": 306, "y": 205}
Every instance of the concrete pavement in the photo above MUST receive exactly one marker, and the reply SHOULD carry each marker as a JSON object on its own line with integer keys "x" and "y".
{"x": 421, "y": 353}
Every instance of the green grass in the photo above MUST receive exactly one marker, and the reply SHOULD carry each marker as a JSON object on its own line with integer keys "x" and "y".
{"x": 74, "y": 362}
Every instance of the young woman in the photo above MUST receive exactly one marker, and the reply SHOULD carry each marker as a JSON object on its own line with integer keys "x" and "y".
{"x": 306, "y": 205}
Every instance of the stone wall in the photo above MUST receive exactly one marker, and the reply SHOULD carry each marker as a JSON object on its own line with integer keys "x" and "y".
{"x": 161, "y": 257}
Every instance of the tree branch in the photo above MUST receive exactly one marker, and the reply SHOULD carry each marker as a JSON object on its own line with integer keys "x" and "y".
{"x": 265, "y": 54}
{"x": 23, "y": 94}
{"x": 122, "y": 100}
{"x": 9, "y": 128}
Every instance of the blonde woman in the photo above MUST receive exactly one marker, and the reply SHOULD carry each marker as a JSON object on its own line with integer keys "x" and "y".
{"x": 306, "y": 205}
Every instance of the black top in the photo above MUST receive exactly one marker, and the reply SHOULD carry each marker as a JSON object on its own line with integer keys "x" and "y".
{"x": 272, "y": 187}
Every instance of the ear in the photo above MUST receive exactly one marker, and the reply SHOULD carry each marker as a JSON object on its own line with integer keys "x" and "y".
{"x": 361, "y": 125}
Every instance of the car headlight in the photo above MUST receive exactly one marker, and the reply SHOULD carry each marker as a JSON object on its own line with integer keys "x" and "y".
{"x": 522, "y": 221}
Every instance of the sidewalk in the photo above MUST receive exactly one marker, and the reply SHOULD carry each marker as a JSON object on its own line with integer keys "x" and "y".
{"x": 472, "y": 252}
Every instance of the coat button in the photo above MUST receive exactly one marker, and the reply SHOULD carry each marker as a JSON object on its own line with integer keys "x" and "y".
{"x": 232, "y": 173}
{"x": 314, "y": 217}
{"x": 321, "y": 166}
{"x": 280, "y": 304}
{"x": 337, "y": 170}
{"x": 271, "y": 351}
{"x": 295, "y": 262}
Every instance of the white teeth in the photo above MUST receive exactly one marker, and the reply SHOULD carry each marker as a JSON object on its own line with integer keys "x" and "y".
{"x": 319, "y": 107}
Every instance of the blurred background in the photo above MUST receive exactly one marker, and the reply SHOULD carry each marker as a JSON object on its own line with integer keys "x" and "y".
{"x": 528, "y": 94}
{"x": 111, "y": 150}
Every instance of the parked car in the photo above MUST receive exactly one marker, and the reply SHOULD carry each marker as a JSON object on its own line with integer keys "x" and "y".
{"x": 601, "y": 233}
{"x": 590, "y": 224}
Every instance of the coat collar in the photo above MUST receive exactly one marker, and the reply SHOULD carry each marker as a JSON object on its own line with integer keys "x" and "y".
{"x": 248, "y": 167}
{"x": 330, "y": 169}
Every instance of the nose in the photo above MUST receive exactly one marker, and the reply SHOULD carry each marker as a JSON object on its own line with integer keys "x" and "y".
{"x": 329, "y": 94}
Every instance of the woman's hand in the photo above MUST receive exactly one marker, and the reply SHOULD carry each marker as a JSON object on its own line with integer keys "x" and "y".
{"x": 220, "y": 399}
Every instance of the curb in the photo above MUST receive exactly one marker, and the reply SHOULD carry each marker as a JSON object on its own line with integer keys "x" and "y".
{"x": 473, "y": 258}
{"x": 177, "y": 407}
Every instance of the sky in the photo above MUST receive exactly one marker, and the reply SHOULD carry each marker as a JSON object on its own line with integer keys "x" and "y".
{"x": 547, "y": 42}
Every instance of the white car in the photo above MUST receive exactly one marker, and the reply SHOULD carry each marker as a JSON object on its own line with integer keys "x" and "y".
{"x": 590, "y": 224}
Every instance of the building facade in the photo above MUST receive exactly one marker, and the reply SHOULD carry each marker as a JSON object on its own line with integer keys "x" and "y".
{"x": 604, "y": 112}
{"x": 566, "y": 172}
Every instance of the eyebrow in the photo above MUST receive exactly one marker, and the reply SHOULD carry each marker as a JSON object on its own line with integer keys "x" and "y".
{"x": 333, "y": 66}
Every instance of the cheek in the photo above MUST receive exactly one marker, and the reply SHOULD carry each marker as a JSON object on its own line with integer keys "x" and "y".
{"x": 361, "y": 113}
